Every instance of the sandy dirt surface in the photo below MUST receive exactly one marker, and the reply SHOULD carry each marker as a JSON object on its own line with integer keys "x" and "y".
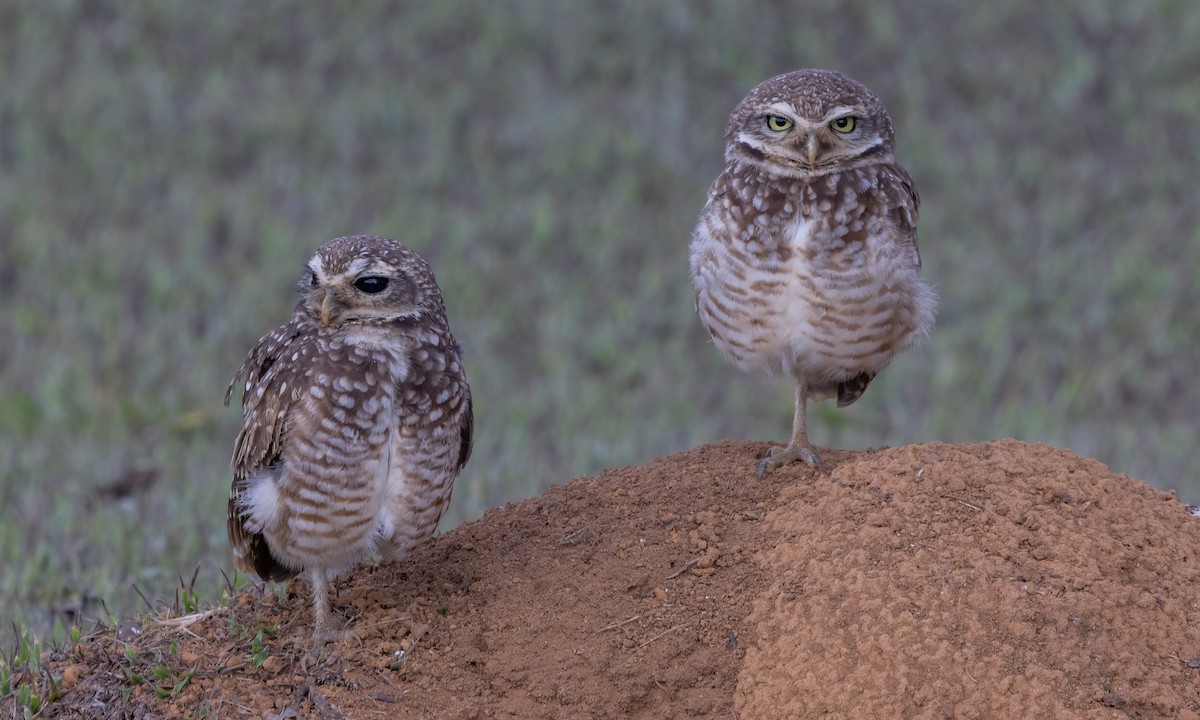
{"x": 935, "y": 581}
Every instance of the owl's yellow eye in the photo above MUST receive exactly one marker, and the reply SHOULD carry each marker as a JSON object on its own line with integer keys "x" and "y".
{"x": 843, "y": 124}
{"x": 778, "y": 123}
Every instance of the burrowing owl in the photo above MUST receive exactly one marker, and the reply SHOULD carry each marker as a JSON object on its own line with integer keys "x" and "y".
{"x": 805, "y": 259}
{"x": 357, "y": 419}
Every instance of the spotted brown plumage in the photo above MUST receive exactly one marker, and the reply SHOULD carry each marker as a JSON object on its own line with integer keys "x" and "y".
{"x": 357, "y": 419}
{"x": 805, "y": 259}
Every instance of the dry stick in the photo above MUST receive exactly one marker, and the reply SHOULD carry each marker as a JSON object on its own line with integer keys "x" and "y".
{"x": 664, "y": 632}
{"x": 614, "y": 626}
{"x": 325, "y": 709}
{"x": 969, "y": 675}
{"x": 388, "y": 681}
{"x": 184, "y": 622}
{"x": 963, "y": 502}
{"x": 138, "y": 590}
{"x": 683, "y": 569}
{"x": 229, "y": 583}
{"x": 385, "y": 622}
{"x": 566, "y": 539}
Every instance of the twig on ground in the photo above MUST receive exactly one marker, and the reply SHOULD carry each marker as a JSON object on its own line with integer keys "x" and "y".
{"x": 963, "y": 502}
{"x": 614, "y": 626}
{"x": 664, "y": 632}
{"x": 184, "y": 622}
{"x": 572, "y": 538}
{"x": 325, "y": 709}
{"x": 683, "y": 569}
{"x": 385, "y": 622}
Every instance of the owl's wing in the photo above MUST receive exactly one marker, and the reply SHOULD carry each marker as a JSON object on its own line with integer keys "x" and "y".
{"x": 266, "y": 399}
{"x": 466, "y": 422}
{"x": 904, "y": 208}
{"x": 266, "y": 402}
{"x": 467, "y": 433}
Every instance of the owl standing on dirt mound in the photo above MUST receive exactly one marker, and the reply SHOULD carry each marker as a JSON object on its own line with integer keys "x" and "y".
{"x": 357, "y": 419}
{"x": 805, "y": 258}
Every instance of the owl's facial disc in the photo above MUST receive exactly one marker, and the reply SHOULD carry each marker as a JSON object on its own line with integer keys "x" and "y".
{"x": 359, "y": 293}
{"x": 782, "y": 137}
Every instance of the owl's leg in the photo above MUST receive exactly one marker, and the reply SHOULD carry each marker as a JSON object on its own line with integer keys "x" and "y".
{"x": 325, "y": 628}
{"x": 799, "y": 448}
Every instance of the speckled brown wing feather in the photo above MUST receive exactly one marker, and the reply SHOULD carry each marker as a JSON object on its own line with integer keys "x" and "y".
{"x": 467, "y": 441}
{"x": 467, "y": 434}
{"x": 904, "y": 207}
{"x": 259, "y": 445}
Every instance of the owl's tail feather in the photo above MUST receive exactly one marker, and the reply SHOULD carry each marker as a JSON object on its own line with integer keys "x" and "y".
{"x": 265, "y": 565}
{"x": 852, "y": 389}
{"x": 251, "y": 553}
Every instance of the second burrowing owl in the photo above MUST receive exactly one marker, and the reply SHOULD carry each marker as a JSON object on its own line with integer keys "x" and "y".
{"x": 357, "y": 420}
{"x": 805, "y": 258}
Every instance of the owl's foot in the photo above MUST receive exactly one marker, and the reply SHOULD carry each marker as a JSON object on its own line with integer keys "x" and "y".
{"x": 329, "y": 635}
{"x": 328, "y": 626}
{"x": 780, "y": 456}
{"x": 322, "y": 637}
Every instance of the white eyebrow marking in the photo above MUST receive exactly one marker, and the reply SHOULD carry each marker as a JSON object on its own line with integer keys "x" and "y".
{"x": 379, "y": 268}
{"x": 751, "y": 140}
{"x": 783, "y": 108}
{"x": 317, "y": 265}
{"x": 841, "y": 110}
{"x": 357, "y": 266}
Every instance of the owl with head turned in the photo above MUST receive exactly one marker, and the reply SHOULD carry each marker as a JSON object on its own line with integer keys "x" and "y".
{"x": 805, "y": 261}
{"x": 357, "y": 419}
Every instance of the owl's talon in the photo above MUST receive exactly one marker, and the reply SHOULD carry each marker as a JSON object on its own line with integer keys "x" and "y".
{"x": 780, "y": 456}
{"x": 334, "y": 636}
{"x": 320, "y": 639}
{"x": 310, "y": 660}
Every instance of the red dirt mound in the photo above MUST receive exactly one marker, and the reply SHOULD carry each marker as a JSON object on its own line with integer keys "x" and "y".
{"x": 980, "y": 581}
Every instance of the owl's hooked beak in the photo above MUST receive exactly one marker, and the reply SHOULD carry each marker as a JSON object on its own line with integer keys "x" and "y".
{"x": 329, "y": 306}
{"x": 813, "y": 146}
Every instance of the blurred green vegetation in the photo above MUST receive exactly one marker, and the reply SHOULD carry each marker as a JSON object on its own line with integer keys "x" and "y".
{"x": 166, "y": 168}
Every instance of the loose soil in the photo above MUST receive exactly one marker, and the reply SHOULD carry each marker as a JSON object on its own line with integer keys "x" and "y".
{"x": 935, "y": 581}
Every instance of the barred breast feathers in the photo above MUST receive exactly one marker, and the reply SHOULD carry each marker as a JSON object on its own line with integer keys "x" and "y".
{"x": 799, "y": 293}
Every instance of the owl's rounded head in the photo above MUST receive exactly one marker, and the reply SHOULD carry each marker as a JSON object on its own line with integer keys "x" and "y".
{"x": 366, "y": 280}
{"x": 809, "y": 122}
